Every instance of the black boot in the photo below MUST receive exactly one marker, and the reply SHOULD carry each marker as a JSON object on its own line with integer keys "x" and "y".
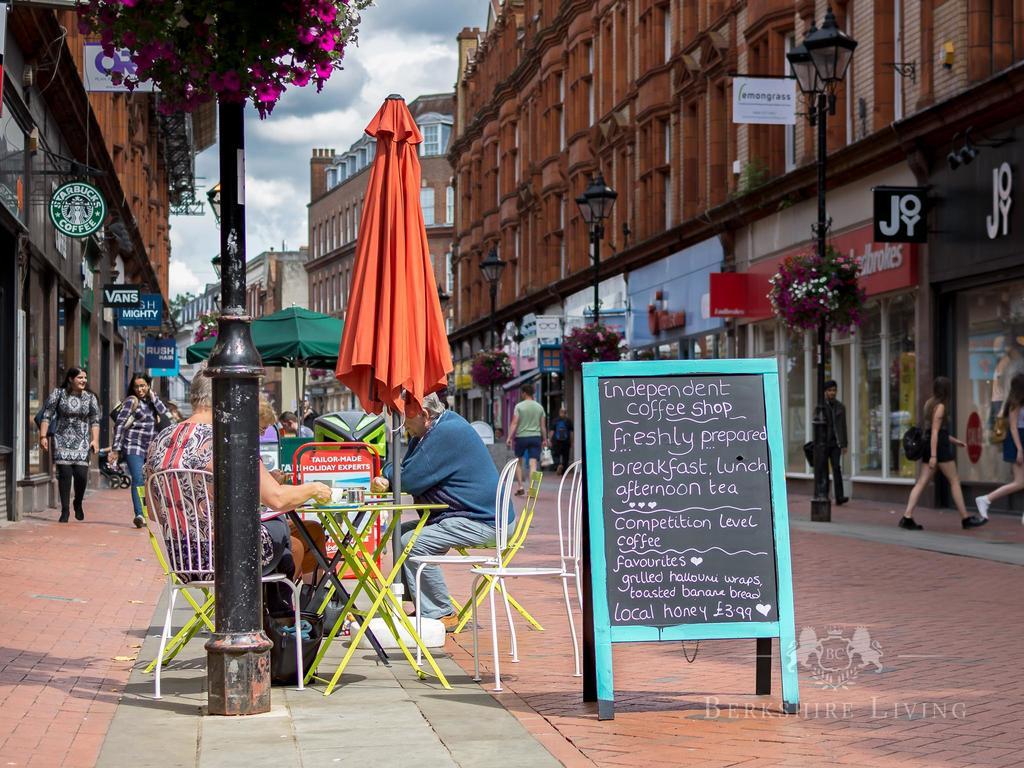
{"x": 79, "y": 512}
{"x": 63, "y": 516}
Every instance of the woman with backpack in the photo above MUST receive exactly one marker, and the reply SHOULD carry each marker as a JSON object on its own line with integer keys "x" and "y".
{"x": 69, "y": 430}
{"x": 939, "y": 454}
{"x": 1013, "y": 450}
{"x": 134, "y": 429}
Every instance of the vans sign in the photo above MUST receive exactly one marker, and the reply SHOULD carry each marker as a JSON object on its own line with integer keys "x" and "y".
{"x": 120, "y": 295}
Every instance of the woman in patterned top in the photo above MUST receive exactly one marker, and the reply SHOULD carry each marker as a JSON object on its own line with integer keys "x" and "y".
{"x": 189, "y": 445}
{"x": 134, "y": 431}
{"x": 75, "y": 413}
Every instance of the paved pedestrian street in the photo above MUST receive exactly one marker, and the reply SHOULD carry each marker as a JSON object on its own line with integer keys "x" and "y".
{"x": 908, "y": 656}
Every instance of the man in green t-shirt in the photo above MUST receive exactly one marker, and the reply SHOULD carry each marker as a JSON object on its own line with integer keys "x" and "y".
{"x": 529, "y": 430}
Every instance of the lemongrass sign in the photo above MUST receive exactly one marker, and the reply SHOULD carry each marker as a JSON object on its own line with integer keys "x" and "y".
{"x": 764, "y": 100}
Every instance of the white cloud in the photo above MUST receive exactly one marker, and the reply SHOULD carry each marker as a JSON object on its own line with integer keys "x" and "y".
{"x": 182, "y": 279}
{"x": 405, "y": 47}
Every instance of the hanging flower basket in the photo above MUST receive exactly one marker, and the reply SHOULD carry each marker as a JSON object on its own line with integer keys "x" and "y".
{"x": 491, "y": 366}
{"x": 206, "y": 327}
{"x": 808, "y": 290}
{"x": 591, "y": 343}
{"x": 179, "y": 46}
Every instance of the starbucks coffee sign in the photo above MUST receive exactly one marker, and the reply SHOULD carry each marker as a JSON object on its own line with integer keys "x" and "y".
{"x": 77, "y": 209}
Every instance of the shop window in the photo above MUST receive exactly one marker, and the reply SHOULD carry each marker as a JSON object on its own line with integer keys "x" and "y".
{"x": 427, "y": 204}
{"x": 869, "y": 412}
{"x": 12, "y": 166}
{"x": 991, "y": 322}
{"x": 902, "y": 360}
{"x": 36, "y": 390}
{"x": 794, "y": 363}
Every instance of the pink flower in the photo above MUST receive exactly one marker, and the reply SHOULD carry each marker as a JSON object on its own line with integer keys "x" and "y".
{"x": 232, "y": 82}
{"x": 306, "y": 35}
{"x": 324, "y": 69}
{"x": 300, "y": 77}
{"x": 326, "y": 41}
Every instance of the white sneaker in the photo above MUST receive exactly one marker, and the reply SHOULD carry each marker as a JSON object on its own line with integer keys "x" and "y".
{"x": 983, "y": 504}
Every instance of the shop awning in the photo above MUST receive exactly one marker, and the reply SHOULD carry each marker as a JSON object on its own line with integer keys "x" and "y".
{"x": 523, "y": 378}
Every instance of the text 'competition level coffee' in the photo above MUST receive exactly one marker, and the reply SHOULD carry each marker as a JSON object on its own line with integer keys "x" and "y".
{"x": 687, "y": 501}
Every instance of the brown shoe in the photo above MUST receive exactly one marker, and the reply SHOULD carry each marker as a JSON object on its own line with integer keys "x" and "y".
{"x": 451, "y": 621}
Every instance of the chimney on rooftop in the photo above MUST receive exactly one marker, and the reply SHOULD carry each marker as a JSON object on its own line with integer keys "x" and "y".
{"x": 318, "y": 171}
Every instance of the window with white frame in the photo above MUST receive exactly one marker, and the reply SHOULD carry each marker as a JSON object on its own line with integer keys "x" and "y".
{"x": 561, "y": 237}
{"x": 590, "y": 84}
{"x": 449, "y": 205}
{"x": 435, "y": 139}
{"x": 790, "y": 130}
{"x": 667, "y": 31}
{"x": 427, "y": 204}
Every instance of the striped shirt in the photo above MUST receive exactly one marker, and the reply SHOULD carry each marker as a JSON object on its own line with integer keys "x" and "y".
{"x": 135, "y": 428}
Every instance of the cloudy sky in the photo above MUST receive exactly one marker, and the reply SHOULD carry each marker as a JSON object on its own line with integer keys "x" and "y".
{"x": 405, "y": 46}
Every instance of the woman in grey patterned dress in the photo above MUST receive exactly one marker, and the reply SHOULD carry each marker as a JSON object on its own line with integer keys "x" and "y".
{"x": 75, "y": 413}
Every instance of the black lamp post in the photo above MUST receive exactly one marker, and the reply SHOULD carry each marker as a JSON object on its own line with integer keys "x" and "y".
{"x": 819, "y": 64}
{"x": 492, "y": 267}
{"x": 238, "y": 653}
{"x": 215, "y": 262}
{"x": 595, "y": 206}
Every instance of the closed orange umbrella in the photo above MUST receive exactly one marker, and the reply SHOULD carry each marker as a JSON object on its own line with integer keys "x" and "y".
{"x": 394, "y": 337}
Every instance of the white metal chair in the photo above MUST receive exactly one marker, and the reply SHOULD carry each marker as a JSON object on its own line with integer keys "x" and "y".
{"x": 179, "y": 499}
{"x": 502, "y": 500}
{"x": 496, "y": 573}
{"x": 570, "y": 520}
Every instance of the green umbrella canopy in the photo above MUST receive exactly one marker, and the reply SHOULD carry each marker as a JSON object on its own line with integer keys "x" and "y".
{"x": 293, "y": 337}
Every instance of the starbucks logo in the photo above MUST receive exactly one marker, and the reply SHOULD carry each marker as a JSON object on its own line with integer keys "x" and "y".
{"x": 77, "y": 209}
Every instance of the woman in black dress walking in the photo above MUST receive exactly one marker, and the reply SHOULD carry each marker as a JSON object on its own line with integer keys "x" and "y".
{"x": 939, "y": 454}
{"x": 75, "y": 413}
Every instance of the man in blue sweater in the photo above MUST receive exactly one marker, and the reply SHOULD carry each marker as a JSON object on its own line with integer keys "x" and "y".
{"x": 446, "y": 463}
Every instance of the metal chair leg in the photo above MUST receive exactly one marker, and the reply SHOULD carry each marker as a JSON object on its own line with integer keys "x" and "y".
{"x": 419, "y": 621}
{"x": 476, "y": 635}
{"x": 172, "y": 593}
{"x": 514, "y": 649}
{"x": 296, "y": 600}
{"x": 494, "y": 637}
{"x": 572, "y": 626}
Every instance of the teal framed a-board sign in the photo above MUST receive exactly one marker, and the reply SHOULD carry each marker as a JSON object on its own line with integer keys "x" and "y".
{"x": 686, "y": 510}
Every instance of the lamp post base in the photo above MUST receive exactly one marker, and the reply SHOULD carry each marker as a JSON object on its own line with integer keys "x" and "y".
{"x": 821, "y": 511}
{"x": 238, "y": 673}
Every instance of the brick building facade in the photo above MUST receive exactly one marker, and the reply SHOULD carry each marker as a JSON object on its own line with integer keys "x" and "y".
{"x": 337, "y": 188}
{"x": 641, "y": 90}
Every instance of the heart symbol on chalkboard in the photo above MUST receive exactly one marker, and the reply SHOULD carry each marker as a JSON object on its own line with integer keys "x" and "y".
{"x": 764, "y": 610}
{"x": 696, "y": 560}
{"x": 652, "y": 504}
{"x": 632, "y": 504}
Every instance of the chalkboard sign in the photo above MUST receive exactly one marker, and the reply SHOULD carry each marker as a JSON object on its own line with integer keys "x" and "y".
{"x": 686, "y": 506}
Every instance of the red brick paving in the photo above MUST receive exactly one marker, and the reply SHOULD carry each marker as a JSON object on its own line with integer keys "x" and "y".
{"x": 74, "y": 597}
{"x": 949, "y": 629}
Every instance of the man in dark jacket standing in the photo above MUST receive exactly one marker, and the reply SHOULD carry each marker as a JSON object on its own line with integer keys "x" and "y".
{"x": 835, "y": 416}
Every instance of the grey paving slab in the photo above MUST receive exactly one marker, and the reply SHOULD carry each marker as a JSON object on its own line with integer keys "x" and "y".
{"x": 1000, "y": 552}
{"x": 462, "y": 728}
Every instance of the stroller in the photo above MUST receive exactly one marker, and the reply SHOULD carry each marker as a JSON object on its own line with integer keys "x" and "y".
{"x": 115, "y": 475}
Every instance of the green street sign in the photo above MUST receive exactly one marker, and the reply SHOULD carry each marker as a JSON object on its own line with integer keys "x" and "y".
{"x": 77, "y": 209}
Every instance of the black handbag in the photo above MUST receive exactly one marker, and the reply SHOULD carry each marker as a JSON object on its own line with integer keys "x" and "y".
{"x": 38, "y": 418}
{"x": 913, "y": 444}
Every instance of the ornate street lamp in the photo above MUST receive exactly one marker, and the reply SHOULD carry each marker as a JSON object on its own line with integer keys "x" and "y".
{"x": 492, "y": 267}
{"x": 595, "y": 206}
{"x": 213, "y": 195}
{"x": 819, "y": 64}
{"x": 215, "y": 261}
